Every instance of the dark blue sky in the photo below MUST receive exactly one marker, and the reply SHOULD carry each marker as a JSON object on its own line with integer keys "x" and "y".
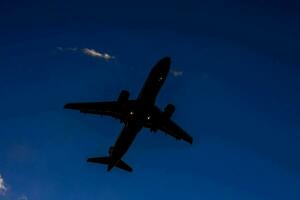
{"x": 238, "y": 97}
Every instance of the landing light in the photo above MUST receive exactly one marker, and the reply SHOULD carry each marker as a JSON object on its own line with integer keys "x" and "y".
{"x": 131, "y": 113}
{"x": 149, "y": 117}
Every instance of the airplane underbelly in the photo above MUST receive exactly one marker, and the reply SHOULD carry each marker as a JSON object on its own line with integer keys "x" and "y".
{"x": 125, "y": 139}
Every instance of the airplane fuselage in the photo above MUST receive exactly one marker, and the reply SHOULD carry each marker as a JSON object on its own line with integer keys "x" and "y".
{"x": 144, "y": 109}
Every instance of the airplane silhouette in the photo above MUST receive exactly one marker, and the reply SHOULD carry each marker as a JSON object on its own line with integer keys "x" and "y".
{"x": 136, "y": 114}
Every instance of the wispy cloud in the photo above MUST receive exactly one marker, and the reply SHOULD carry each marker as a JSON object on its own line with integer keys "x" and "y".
{"x": 176, "y": 73}
{"x": 23, "y": 197}
{"x": 89, "y": 52}
{"x": 67, "y": 49}
{"x": 97, "y": 54}
{"x": 3, "y": 187}
{"x": 92, "y": 52}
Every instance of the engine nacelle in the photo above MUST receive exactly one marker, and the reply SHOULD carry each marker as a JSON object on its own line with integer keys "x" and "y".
{"x": 166, "y": 115}
{"x": 168, "y": 111}
{"x": 123, "y": 97}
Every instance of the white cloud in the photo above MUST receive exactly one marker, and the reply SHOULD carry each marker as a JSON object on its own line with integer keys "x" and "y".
{"x": 97, "y": 54}
{"x": 176, "y": 72}
{"x": 3, "y": 188}
{"x": 92, "y": 52}
{"x": 88, "y": 52}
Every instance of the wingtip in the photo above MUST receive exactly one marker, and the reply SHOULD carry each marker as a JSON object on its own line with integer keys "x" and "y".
{"x": 68, "y": 106}
{"x": 166, "y": 59}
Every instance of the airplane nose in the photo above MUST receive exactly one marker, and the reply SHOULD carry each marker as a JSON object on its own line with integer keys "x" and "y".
{"x": 165, "y": 63}
{"x": 162, "y": 66}
{"x": 166, "y": 60}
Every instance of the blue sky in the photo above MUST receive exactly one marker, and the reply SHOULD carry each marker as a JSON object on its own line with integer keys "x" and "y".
{"x": 238, "y": 97}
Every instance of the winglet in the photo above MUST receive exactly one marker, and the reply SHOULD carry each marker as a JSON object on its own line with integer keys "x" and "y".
{"x": 68, "y": 106}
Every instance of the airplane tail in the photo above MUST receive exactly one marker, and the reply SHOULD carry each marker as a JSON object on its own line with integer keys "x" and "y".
{"x": 108, "y": 161}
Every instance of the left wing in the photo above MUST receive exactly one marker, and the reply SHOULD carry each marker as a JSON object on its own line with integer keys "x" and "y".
{"x": 109, "y": 108}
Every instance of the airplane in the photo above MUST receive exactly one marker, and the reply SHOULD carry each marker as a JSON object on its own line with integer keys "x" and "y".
{"x": 135, "y": 114}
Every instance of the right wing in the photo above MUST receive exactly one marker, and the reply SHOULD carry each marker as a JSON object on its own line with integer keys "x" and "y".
{"x": 109, "y": 108}
{"x": 172, "y": 129}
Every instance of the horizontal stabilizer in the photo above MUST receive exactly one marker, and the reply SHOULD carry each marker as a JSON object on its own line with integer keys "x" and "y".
{"x": 101, "y": 160}
{"x": 107, "y": 161}
{"x": 122, "y": 165}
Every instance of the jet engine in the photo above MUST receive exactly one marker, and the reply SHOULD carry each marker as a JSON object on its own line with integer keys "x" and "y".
{"x": 166, "y": 115}
{"x": 168, "y": 111}
{"x": 123, "y": 97}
